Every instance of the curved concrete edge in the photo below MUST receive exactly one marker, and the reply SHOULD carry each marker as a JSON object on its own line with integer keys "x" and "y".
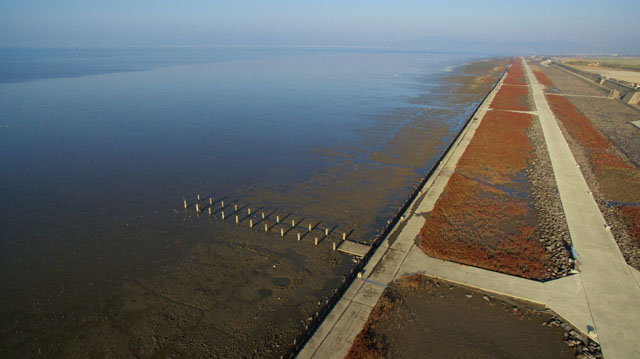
{"x": 636, "y": 274}
{"x": 564, "y": 296}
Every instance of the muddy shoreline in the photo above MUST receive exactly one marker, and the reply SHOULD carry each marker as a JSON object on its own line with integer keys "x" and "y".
{"x": 177, "y": 285}
{"x": 419, "y": 316}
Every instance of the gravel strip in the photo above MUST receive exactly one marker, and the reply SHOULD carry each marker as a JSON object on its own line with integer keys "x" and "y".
{"x": 570, "y": 84}
{"x": 551, "y": 224}
{"x": 612, "y": 118}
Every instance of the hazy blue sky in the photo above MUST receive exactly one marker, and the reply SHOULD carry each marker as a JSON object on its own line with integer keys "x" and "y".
{"x": 596, "y": 25}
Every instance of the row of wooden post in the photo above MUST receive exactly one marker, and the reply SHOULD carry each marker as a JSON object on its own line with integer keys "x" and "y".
{"x": 266, "y": 226}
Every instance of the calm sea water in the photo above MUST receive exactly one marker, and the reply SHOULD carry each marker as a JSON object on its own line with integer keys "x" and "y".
{"x": 127, "y": 130}
{"x": 92, "y": 141}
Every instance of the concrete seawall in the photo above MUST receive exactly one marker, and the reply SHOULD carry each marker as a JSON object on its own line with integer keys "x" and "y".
{"x": 357, "y": 297}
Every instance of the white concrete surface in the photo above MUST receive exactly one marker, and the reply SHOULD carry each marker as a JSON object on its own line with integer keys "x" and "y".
{"x": 351, "y": 247}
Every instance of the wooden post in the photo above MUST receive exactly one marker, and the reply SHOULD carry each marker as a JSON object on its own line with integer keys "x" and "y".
{"x": 315, "y": 241}
{"x": 344, "y": 236}
{"x": 235, "y": 207}
{"x": 197, "y": 208}
{"x": 309, "y": 227}
{"x": 249, "y": 211}
{"x": 221, "y": 204}
{"x": 334, "y": 246}
{"x": 278, "y": 219}
{"x": 209, "y": 210}
{"x": 236, "y": 219}
{"x": 223, "y": 215}
{"x": 326, "y": 232}
{"x": 293, "y": 223}
{"x": 185, "y": 203}
{"x": 281, "y": 232}
{"x": 198, "y": 198}
{"x": 262, "y": 215}
{"x": 298, "y": 236}
{"x": 250, "y": 223}
{"x": 266, "y": 227}
{"x": 211, "y": 201}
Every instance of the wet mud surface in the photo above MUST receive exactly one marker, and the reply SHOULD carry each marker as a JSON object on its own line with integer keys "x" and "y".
{"x": 170, "y": 284}
{"x": 234, "y": 292}
{"x": 422, "y": 317}
{"x": 371, "y": 179}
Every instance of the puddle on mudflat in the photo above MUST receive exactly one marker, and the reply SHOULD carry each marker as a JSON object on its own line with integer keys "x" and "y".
{"x": 281, "y": 281}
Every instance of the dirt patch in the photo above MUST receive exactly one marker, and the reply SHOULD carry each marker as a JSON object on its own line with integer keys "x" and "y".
{"x": 230, "y": 296}
{"x": 489, "y": 65}
{"x": 491, "y": 214}
{"x": 627, "y": 76}
{"x": 421, "y": 317}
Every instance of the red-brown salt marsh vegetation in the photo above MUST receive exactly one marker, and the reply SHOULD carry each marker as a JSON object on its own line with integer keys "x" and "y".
{"x": 516, "y": 75}
{"x": 542, "y": 78}
{"x": 617, "y": 179}
{"x": 484, "y": 217}
{"x": 514, "y": 98}
{"x": 500, "y": 209}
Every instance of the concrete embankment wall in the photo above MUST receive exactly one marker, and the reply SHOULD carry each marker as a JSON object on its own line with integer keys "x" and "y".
{"x": 624, "y": 93}
{"x": 326, "y": 308}
{"x": 592, "y": 76}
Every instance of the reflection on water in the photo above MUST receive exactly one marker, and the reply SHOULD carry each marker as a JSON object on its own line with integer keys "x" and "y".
{"x": 100, "y": 146}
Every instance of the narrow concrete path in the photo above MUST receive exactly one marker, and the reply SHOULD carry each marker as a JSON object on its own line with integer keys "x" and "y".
{"x": 612, "y": 293}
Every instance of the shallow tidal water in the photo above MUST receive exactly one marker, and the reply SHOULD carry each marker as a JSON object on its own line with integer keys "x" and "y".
{"x": 99, "y": 147}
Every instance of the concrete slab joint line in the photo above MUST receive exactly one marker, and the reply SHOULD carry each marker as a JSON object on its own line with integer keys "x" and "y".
{"x": 604, "y": 296}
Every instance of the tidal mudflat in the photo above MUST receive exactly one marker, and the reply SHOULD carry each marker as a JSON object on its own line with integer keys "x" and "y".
{"x": 419, "y": 316}
{"x": 99, "y": 257}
